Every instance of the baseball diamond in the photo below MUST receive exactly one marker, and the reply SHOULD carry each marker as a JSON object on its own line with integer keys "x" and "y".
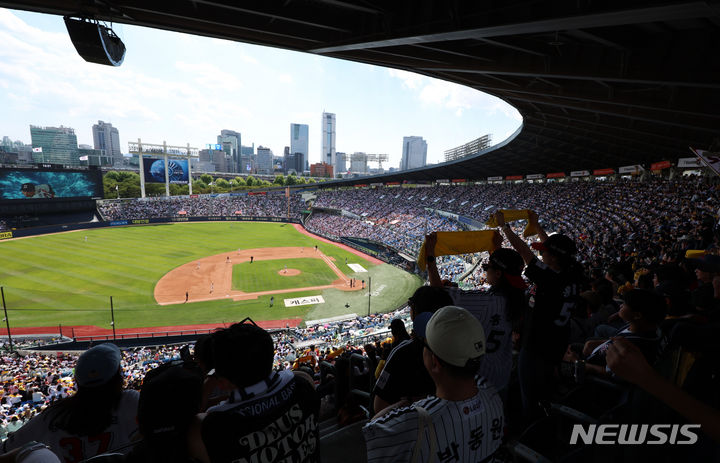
{"x": 61, "y": 279}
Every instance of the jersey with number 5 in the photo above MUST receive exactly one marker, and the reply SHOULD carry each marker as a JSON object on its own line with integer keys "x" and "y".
{"x": 491, "y": 310}
{"x": 552, "y": 300}
{"x": 74, "y": 449}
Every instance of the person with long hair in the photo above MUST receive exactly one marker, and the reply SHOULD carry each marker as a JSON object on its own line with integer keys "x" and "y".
{"x": 498, "y": 309}
{"x": 100, "y": 417}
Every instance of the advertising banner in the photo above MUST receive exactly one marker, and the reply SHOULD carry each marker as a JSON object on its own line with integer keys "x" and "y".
{"x": 690, "y": 162}
{"x": 495, "y": 179}
{"x": 154, "y": 170}
{"x": 534, "y": 176}
{"x": 556, "y": 175}
{"x": 660, "y": 165}
{"x": 580, "y": 173}
{"x": 304, "y": 301}
{"x": 635, "y": 169}
{"x": 603, "y": 171}
{"x": 514, "y": 177}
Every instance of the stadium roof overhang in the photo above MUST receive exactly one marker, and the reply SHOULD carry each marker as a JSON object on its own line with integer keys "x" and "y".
{"x": 599, "y": 84}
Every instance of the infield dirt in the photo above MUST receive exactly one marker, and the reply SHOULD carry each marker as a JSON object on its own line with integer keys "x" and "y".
{"x": 210, "y": 278}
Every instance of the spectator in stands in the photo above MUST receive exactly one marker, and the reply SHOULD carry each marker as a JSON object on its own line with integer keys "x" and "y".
{"x": 703, "y": 298}
{"x": 463, "y": 421}
{"x": 403, "y": 377}
{"x": 497, "y": 309}
{"x": 558, "y": 280}
{"x": 399, "y": 332}
{"x": 268, "y": 412}
{"x": 642, "y": 311}
{"x": 169, "y": 401}
{"x": 99, "y": 418}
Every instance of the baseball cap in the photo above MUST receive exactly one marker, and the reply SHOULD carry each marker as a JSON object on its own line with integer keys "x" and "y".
{"x": 511, "y": 263}
{"x": 455, "y": 336}
{"x": 557, "y": 244}
{"x": 97, "y": 365}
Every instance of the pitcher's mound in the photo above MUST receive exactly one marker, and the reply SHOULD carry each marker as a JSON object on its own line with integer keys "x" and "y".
{"x": 291, "y": 272}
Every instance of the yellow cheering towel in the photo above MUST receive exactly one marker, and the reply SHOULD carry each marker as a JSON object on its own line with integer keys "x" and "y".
{"x": 462, "y": 242}
{"x": 694, "y": 253}
{"x": 512, "y": 215}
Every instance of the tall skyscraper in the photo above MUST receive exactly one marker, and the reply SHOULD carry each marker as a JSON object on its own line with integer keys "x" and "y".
{"x": 328, "y": 140}
{"x": 54, "y": 145}
{"x": 106, "y": 137}
{"x": 299, "y": 139}
{"x": 341, "y": 166}
{"x": 264, "y": 160}
{"x": 414, "y": 153}
{"x": 358, "y": 163}
{"x": 231, "y": 143}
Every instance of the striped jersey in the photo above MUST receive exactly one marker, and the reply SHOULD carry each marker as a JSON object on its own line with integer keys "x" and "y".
{"x": 464, "y": 431}
{"x": 490, "y": 309}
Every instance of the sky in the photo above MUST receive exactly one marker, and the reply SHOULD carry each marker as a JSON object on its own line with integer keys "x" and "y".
{"x": 184, "y": 89}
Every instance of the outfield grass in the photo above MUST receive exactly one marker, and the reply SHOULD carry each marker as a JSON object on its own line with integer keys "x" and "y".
{"x": 61, "y": 279}
{"x": 263, "y": 275}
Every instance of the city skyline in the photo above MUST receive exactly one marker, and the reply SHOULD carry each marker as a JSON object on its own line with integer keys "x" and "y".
{"x": 182, "y": 89}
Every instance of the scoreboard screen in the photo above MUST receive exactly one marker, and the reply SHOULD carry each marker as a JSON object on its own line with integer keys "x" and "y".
{"x": 46, "y": 184}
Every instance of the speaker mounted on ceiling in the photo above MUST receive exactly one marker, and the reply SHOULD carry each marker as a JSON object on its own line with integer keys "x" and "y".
{"x": 94, "y": 42}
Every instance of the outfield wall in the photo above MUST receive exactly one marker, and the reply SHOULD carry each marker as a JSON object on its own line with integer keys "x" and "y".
{"x": 120, "y": 223}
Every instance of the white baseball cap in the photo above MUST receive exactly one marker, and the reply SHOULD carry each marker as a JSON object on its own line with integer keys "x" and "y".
{"x": 455, "y": 335}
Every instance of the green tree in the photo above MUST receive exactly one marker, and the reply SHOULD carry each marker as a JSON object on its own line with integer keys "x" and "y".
{"x": 222, "y": 185}
{"x": 206, "y": 179}
{"x": 279, "y": 180}
{"x": 250, "y": 180}
{"x": 291, "y": 180}
{"x": 200, "y": 187}
{"x": 113, "y": 175}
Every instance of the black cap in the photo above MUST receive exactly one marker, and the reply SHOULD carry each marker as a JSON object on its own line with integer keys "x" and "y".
{"x": 557, "y": 244}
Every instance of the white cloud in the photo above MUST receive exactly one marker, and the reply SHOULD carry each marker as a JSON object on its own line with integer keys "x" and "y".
{"x": 285, "y": 78}
{"x": 455, "y": 97}
{"x": 410, "y": 79}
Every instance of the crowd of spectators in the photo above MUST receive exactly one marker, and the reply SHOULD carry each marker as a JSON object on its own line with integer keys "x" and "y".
{"x": 633, "y": 282}
{"x": 32, "y": 381}
{"x": 610, "y": 219}
{"x": 260, "y": 205}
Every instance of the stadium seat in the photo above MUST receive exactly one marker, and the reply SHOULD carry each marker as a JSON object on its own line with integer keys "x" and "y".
{"x": 345, "y": 444}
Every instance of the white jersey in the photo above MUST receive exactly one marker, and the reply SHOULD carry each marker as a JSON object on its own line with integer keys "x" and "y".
{"x": 74, "y": 449}
{"x": 467, "y": 431}
{"x": 491, "y": 310}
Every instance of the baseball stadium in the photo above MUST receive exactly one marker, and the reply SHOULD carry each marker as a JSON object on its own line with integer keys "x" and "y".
{"x": 551, "y": 297}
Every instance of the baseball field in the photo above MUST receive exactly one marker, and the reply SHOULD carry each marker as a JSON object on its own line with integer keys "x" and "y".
{"x": 150, "y": 271}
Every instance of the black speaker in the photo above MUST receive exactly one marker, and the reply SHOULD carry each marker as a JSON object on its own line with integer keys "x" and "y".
{"x": 95, "y": 43}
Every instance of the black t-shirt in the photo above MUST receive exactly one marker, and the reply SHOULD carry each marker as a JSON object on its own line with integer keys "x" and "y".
{"x": 272, "y": 422}
{"x": 404, "y": 374}
{"x": 552, "y": 300}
